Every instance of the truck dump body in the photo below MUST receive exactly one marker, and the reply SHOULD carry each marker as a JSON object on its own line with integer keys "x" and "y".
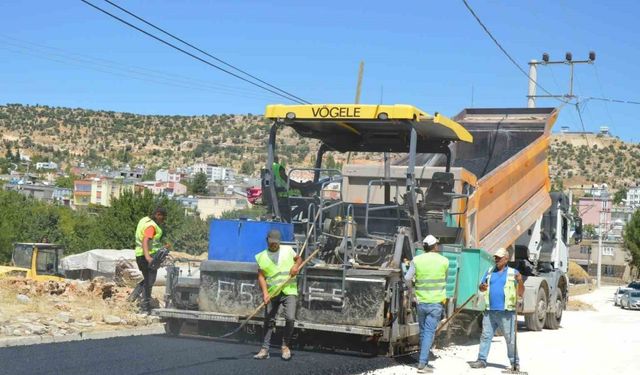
{"x": 509, "y": 158}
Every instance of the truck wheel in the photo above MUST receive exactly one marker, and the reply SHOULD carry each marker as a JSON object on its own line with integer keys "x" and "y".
{"x": 535, "y": 320}
{"x": 172, "y": 327}
{"x": 554, "y": 318}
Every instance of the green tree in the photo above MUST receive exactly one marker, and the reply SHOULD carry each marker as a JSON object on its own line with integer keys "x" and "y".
{"x": 199, "y": 184}
{"x": 248, "y": 167}
{"x": 119, "y": 222}
{"x": 254, "y": 212}
{"x": 66, "y": 181}
{"x": 631, "y": 237}
{"x": 619, "y": 196}
{"x": 589, "y": 231}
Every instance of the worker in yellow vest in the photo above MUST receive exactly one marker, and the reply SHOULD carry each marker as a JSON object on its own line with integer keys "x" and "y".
{"x": 275, "y": 265}
{"x": 430, "y": 271}
{"x": 501, "y": 285}
{"x": 148, "y": 241}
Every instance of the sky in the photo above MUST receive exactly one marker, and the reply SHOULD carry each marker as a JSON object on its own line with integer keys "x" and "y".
{"x": 431, "y": 54}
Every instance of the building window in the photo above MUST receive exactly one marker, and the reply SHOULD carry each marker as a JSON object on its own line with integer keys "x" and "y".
{"x": 585, "y": 249}
{"x": 608, "y": 270}
{"x": 607, "y": 251}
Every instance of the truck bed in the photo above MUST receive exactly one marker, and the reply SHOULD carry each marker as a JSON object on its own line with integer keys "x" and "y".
{"x": 509, "y": 158}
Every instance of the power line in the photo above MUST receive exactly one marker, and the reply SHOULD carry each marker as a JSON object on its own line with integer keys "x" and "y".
{"x": 203, "y": 52}
{"x": 191, "y": 54}
{"x": 110, "y": 67}
{"x": 504, "y": 51}
{"x": 584, "y": 131}
{"x": 610, "y": 100}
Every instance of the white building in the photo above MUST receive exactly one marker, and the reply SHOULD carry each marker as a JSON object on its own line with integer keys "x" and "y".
{"x": 47, "y": 165}
{"x": 168, "y": 175}
{"x": 222, "y": 174}
{"x": 214, "y": 172}
{"x": 598, "y": 191}
{"x": 633, "y": 197}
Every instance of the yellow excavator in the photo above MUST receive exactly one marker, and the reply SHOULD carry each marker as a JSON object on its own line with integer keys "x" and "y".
{"x": 37, "y": 261}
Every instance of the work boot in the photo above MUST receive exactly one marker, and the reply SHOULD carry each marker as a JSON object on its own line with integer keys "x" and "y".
{"x": 286, "y": 353}
{"x": 262, "y": 354}
{"x": 478, "y": 364}
{"x": 424, "y": 369}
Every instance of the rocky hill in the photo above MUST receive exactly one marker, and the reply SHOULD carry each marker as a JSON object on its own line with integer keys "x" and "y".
{"x": 105, "y": 138}
{"x": 583, "y": 159}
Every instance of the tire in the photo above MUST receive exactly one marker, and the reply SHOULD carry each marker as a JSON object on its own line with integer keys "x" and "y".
{"x": 554, "y": 318}
{"x": 172, "y": 327}
{"x": 535, "y": 321}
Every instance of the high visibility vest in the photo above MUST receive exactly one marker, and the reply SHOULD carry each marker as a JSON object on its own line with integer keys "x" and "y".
{"x": 431, "y": 277}
{"x": 281, "y": 184}
{"x": 276, "y": 274}
{"x": 156, "y": 245}
{"x": 510, "y": 294}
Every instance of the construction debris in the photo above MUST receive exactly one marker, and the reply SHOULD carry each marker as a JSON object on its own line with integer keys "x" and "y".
{"x": 127, "y": 273}
{"x": 62, "y": 308}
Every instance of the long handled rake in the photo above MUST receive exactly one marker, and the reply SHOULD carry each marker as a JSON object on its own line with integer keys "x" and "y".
{"x": 281, "y": 286}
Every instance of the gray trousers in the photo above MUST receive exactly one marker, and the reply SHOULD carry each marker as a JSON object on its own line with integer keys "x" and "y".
{"x": 270, "y": 313}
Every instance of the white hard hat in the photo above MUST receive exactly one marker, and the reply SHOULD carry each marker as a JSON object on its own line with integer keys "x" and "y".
{"x": 501, "y": 252}
{"x": 430, "y": 240}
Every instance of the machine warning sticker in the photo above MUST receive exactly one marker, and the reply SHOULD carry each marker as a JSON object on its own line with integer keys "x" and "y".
{"x": 336, "y": 112}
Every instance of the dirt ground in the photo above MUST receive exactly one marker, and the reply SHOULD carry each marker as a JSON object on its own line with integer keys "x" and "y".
{"x": 602, "y": 341}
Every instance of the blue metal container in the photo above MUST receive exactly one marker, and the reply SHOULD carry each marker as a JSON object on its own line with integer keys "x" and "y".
{"x": 241, "y": 240}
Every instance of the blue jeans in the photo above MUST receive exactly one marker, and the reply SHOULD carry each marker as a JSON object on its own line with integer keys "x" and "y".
{"x": 429, "y": 314}
{"x": 494, "y": 319}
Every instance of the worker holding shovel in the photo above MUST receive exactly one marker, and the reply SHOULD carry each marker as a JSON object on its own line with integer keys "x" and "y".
{"x": 276, "y": 265}
{"x": 502, "y": 285}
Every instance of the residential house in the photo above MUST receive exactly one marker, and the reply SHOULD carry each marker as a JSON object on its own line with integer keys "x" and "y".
{"x": 62, "y": 196}
{"x": 168, "y": 175}
{"x": 99, "y": 190}
{"x": 131, "y": 173}
{"x": 595, "y": 211}
{"x": 82, "y": 192}
{"x": 633, "y": 197}
{"x": 36, "y": 191}
{"x": 189, "y": 203}
{"x": 215, "y": 206}
{"x": 615, "y": 259}
{"x": 46, "y": 165}
{"x": 168, "y": 188}
{"x": 214, "y": 172}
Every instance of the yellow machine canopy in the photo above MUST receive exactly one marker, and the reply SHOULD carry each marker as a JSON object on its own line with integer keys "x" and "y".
{"x": 369, "y": 128}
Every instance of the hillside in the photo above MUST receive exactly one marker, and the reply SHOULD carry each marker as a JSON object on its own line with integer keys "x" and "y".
{"x": 586, "y": 159}
{"x": 105, "y": 138}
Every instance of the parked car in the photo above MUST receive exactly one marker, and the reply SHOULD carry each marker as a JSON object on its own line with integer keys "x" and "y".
{"x": 618, "y": 294}
{"x": 630, "y": 299}
{"x": 634, "y": 285}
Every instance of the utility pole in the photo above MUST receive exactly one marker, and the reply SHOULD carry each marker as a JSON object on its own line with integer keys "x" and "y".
{"x": 358, "y": 90}
{"x": 533, "y": 79}
{"x": 533, "y": 75}
{"x": 359, "y": 85}
{"x": 602, "y": 226}
{"x": 599, "y": 270}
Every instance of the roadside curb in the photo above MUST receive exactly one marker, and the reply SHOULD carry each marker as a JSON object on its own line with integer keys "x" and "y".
{"x": 35, "y": 340}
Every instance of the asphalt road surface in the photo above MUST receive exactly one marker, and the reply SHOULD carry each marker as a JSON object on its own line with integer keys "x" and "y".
{"x": 161, "y": 354}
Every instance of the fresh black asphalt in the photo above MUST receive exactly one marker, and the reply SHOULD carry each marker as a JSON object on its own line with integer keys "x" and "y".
{"x": 159, "y": 354}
